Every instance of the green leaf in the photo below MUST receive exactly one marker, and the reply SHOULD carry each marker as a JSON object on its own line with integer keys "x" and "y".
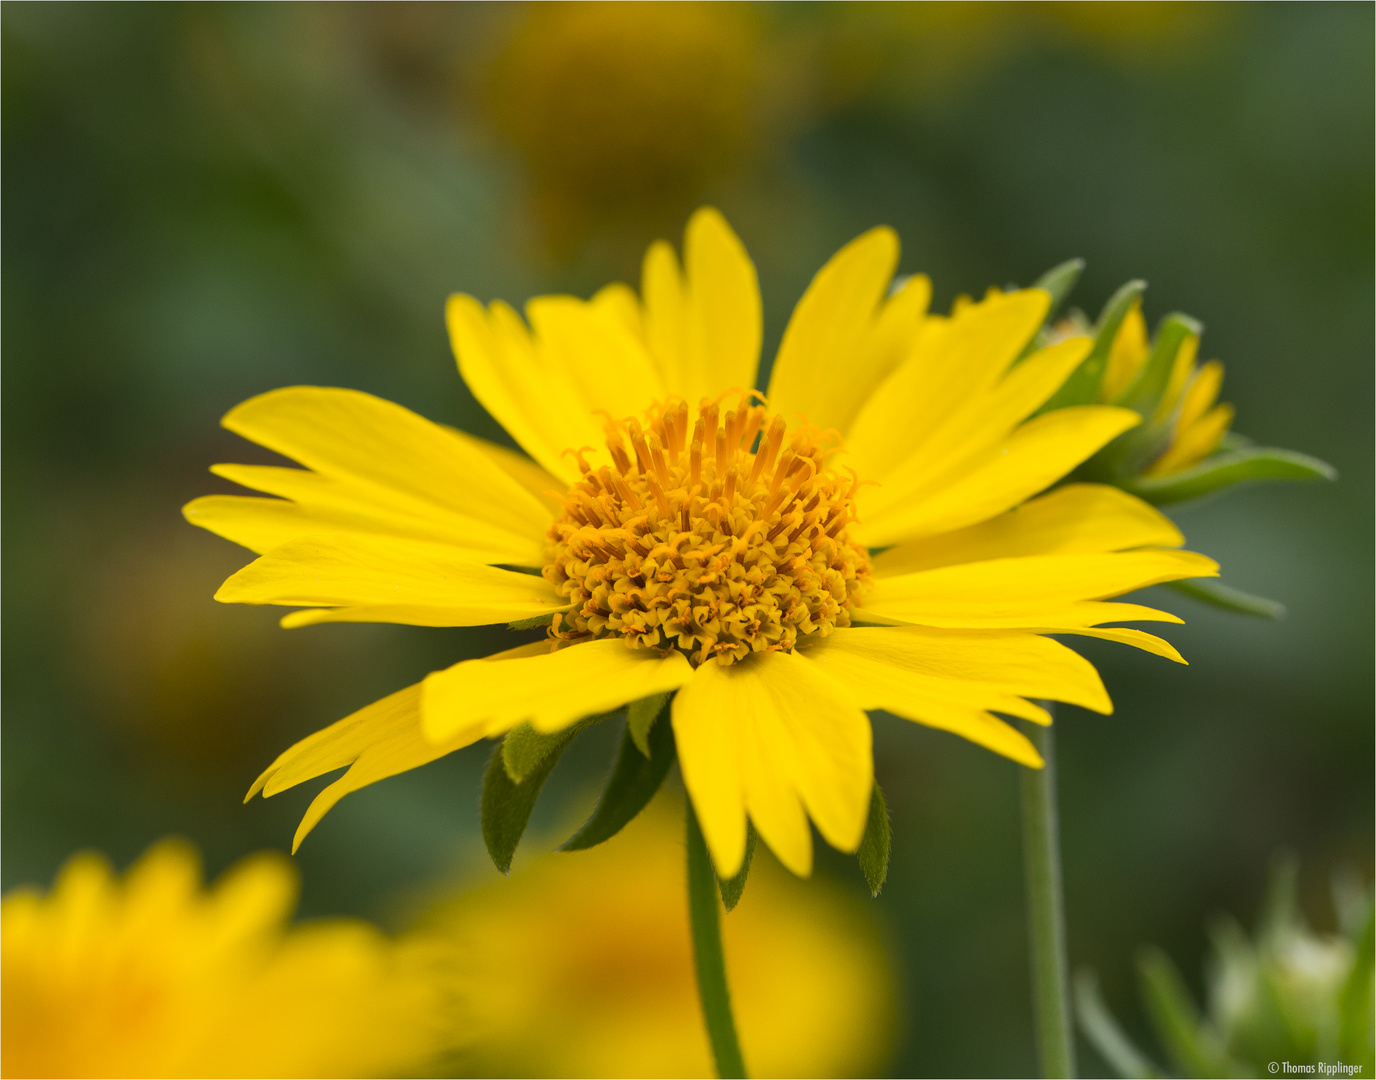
{"x": 524, "y": 750}
{"x": 635, "y": 779}
{"x": 641, "y": 715}
{"x": 732, "y": 888}
{"x": 1104, "y": 1034}
{"x": 1224, "y": 470}
{"x": 1176, "y": 1020}
{"x": 1146, "y": 390}
{"x": 1355, "y": 1005}
{"x": 874, "y": 845}
{"x": 532, "y": 623}
{"x": 507, "y": 804}
{"x": 1216, "y": 594}
{"x": 1082, "y": 388}
{"x": 1058, "y": 281}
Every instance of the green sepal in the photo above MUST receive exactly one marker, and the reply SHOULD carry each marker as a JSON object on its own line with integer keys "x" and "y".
{"x": 1175, "y": 1018}
{"x": 1226, "y": 469}
{"x": 732, "y": 888}
{"x": 1082, "y": 388}
{"x": 1147, "y": 389}
{"x": 1216, "y": 594}
{"x": 507, "y": 805}
{"x": 635, "y": 779}
{"x": 1102, "y": 1030}
{"x": 533, "y": 623}
{"x": 640, "y": 717}
{"x": 873, "y": 852}
{"x": 1059, "y": 281}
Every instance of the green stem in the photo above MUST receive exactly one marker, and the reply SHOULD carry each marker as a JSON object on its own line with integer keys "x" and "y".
{"x": 704, "y": 914}
{"x": 1041, "y": 846}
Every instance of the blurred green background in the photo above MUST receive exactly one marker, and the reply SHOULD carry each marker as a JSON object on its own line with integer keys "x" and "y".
{"x": 204, "y": 202}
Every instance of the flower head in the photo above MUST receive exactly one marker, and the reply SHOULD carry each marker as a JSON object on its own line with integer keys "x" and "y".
{"x": 153, "y": 976}
{"x": 872, "y": 532}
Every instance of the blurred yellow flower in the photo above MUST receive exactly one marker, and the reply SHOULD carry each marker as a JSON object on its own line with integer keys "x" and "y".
{"x": 1195, "y": 424}
{"x": 153, "y": 975}
{"x": 580, "y": 965}
{"x": 626, "y": 109}
{"x": 723, "y": 549}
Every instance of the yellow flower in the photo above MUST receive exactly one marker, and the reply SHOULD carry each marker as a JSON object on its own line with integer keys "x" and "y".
{"x": 601, "y": 983}
{"x": 694, "y": 536}
{"x": 153, "y": 976}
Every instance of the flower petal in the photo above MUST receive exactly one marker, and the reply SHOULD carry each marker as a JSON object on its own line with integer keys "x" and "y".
{"x": 549, "y": 691}
{"x": 845, "y": 313}
{"x": 536, "y": 401}
{"x": 376, "y": 742}
{"x": 982, "y": 668}
{"x": 372, "y": 453}
{"x": 1044, "y": 591}
{"x": 953, "y": 362}
{"x": 1033, "y": 457}
{"x": 1124, "y": 636}
{"x": 763, "y": 737}
{"x": 703, "y": 327}
{"x": 1072, "y": 520}
{"x": 428, "y": 584}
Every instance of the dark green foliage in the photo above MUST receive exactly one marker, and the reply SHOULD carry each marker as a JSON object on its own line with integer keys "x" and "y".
{"x": 635, "y": 779}
{"x": 1059, "y": 281}
{"x": 874, "y": 846}
{"x": 640, "y": 715}
{"x": 507, "y": 804}
{"x": 732, "y": 888}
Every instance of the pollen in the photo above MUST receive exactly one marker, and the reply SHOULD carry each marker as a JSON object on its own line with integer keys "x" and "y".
{"x": 719, "y": 540}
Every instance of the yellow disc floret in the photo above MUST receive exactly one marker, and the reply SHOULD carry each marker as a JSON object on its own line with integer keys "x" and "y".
{"x": 721, "y": 542}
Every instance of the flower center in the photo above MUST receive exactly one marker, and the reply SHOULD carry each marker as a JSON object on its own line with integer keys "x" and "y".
{"x": 730, "y": 540}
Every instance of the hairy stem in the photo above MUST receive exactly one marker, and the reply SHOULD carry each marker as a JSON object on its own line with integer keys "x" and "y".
{"x": 1041, "y": 845}
{"x": 705, "y": 916}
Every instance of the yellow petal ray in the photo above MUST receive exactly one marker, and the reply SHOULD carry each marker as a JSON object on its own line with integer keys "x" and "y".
{"x": 1071, "y": 520}
{"x": 929, "y": 701}
{"x": 1201, "y": 394}
{"x": 380, "y": 740}
{"x": 1037, "y": 590}
{"x": 979, "y": 668}
{"x": 610, "y": 367}
{"x": 1180, "y": 375}
{"x": 371, "y": 450}
{"x": 703, "y": 325}
{"x": 1125, "y": 636}
{"x": 953, "y": 363}
{"x": 761, "y": 736}
{"x": 1194, "y": 443}
{"x": 263, "y": 524}
{"x": 1126, "y": 356}
{"x": 844, "y": 337}
{"x": 549, "y": 692}
{"x": 537, "y": 403}
{"x": 528, "y": 473}
{"x": 1033, "y": 457}
{"x": 370, "y": 572}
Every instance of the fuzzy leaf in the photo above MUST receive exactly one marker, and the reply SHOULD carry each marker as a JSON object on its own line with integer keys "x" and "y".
{"x": 524, "y": 750}
{"x": 507, "y": 805}
{"x": 1216, "y": 594}
{"x": 1105, "y": 1035}
{"x": 732, "y": 888}
{"x": 532, "y": 623}
{"x": 874, "y": 845}
{"x": 1082, "y": 388}
{"x": 1058, "y": 281}
{"x": 640, "y": 716}
{"x": 635, "y": 779}
{"x": 1224, "y": 470}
